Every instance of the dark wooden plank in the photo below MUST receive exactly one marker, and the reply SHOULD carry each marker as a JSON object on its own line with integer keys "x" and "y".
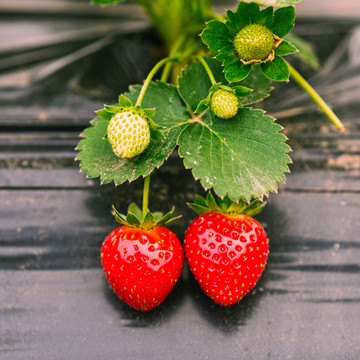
{"x": 305, "y": 306}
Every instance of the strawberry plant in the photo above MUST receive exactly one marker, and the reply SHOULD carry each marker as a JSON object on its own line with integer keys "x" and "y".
{"x": 202, "y": 106}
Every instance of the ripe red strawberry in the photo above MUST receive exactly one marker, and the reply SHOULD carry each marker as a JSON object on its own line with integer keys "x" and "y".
{"x": 226, "y": 252}
{"x": 142, "y": 264}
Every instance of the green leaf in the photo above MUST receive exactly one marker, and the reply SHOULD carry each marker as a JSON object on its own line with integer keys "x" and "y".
{"x": 277, "y": 3}
{"x": 224, "y": 203}
{"x": 254, "y": 208}
{"x": 199, "y": 209}
{"x": 150, "y": 112}
{"x": 243, "y": 157}
{"x": 234, "y": 23}
{"x": 124, "y": 101}
{"x": 203, "y": 105}
{"x": 260, "y": 85}
{"x": 149, "y": 221}
{"x": 172, "y": 220}
{"x": 119, "y": 217}
{"x": 132, "y": 219}
{"x": 285, "y": 48}
{"x": 200, "y": 200}
{"x": 244, "y": 15}
{"x": 157, "y": 215}
{"x": 265, "y": 17}
{"x": 153, "y": 125}
{"x": 283, "y": 21}
{"x": 236, "y": 72}
{"x": 216, "y": 35}
{"x": 276, "y": 69}
{"x": 95, "y": 153}
{"x": 241, "y": 17}
{"x": 194, "y": 84}
{"x": 242, "y": 91}
{"x": 133, "y": 208}
{"x": 256, "y": 81}
{"x": 306, "y": 52}
{"x": 211, "y": 202}
{"x": 247, "y": 12}
{"x": 237, "y": 207}
{"x": 104, "y": 114}
{"x": 226, "y": 206}
{"x": 114, "y": 109}
{"x": 227, "y": 55}
{"x": 156, "y": 135}
{"x": 168, "y": 218}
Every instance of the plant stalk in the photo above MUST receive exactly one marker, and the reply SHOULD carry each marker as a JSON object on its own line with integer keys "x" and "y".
{"x": 145, "y": 204}
{"x": 175, "y": 48}
{"x": 317, "y": 98}
{"x": 207, "y": 69}
{"x": 151, "y": 74}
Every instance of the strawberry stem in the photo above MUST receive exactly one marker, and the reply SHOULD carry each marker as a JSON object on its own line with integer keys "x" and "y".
{"x": 174, "y": 49}
{"x": 151, "y": 74}
{"x": 316, "y": 97}
{"x": 207, "y": 69}
{"x": 145, "y": 203}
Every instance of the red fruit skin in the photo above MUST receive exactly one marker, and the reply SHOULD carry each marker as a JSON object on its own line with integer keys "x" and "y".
{"x": 226, "y": 254}
{"x": 142, "y": 266}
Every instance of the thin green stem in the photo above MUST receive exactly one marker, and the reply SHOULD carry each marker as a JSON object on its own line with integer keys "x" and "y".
{"x": 147, "y": 81}
{"x": 316, "y": 97}
{"x": 173, "y": 52}
{"x": 207, "y": 69}
{"x": 151, "y": 74}
{"x": 145, "y": 204}
{"x": 166, "y": 72}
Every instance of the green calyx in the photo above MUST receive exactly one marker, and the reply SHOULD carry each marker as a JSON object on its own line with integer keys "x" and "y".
{"x": 250, "y": 36}
{"x": 225, "y": 205}
{"x": 135, "y": 219}
{"x": 254, "y": 43}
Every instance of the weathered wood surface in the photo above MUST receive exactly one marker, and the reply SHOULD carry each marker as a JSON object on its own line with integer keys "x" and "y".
{"x": 54, "y": 300}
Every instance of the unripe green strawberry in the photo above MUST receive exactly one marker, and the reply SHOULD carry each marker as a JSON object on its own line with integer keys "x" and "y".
{"x": 254, "y": 42}
{"x": 224, "y": 104}
{"x": 128, "y": 133}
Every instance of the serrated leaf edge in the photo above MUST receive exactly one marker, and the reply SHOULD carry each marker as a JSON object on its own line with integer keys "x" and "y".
{"x": 132, "y": 88}
{"x": 274, "y": 182}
